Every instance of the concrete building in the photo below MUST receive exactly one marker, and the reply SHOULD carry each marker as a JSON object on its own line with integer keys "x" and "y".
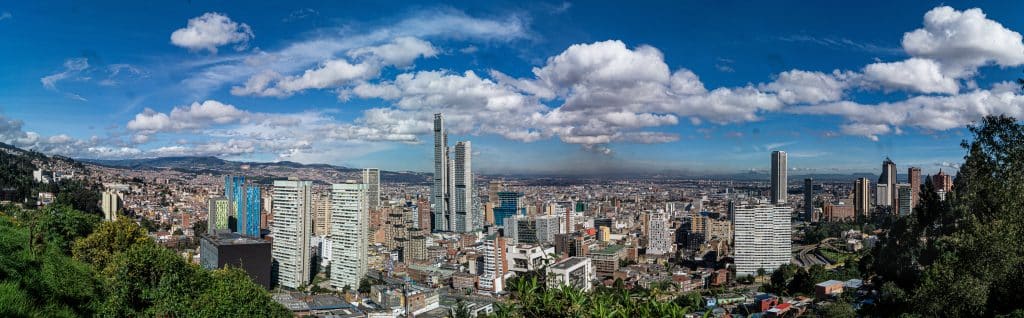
{"x": 349, "y": 227}
{"x": 547, "y": 227}
{"x": 322, "y": 213}
{"x": 493, "y": 277}
{"x": 838, "y": 213}
{"x": 292, "y": 207}
{"x": 112, "y": 202}
{"x": 779, "y": 174}
{"x": 606, "y": 261}
{"x": 882, "y": 194}
{"x": 251, "y": 255}
{"x": 439, "y": 192}
{"x": 914, "y": 179}
{"x": 576, "y": 272}
{"x": 942, "y": 182}
{"x": 523, "y": 258}
{"x": 762, "y": 238}
{"x": 862, "y": 197}
{"x": 371, "y": 178}
{"x": 660, "y": 236}
{"x": 463, "y": 202}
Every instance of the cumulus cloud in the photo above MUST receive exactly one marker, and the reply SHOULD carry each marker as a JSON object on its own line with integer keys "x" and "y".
{"x": 962, "y": 41}
{"x": 212, "y": 30}
{"x": 191, "y": 117}
{"x": 915, "y": 75}
{"x": 796, "y": 86}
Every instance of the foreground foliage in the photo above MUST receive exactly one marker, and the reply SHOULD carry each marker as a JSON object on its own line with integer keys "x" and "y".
{"x": 62, "y": 262}
{"x": 533, "y": 299}
{"x": 963, "y": 256}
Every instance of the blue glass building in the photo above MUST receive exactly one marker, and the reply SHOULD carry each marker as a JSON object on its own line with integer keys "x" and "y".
{"x": 245, "y": 203}
{"x": 234, "y": 190}
{"x": 252, "y": 212}
{"x": 508, "y": 206}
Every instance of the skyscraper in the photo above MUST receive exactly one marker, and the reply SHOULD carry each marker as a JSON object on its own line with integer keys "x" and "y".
{"x": 862, "y": 197}
{"x": 808, "y": 199}
{"x": 779, "y": 185}
{"x": 439, "y": 191}
{"x": 888, "y": 178}
{"x": 914, "y": 179}
{"x": 234, "y": 190}
{"x": 463, "y": 202}
{"x": 292, "y": 206}
{"x": 762, "y": 238}
{"x": 349, "y": 226}
{"x": 371, "y": 178}
{"x": 251, "y": 208}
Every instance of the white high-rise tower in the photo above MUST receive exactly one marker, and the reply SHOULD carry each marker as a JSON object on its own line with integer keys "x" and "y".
{"x": 292, "y": 208}
{"x": 779, "y": 185}
{"x": 371, "y": 178}
{"x": 762, "y": 238}
{"x": 463, "y": 198}
{"x": 349, "y": 227}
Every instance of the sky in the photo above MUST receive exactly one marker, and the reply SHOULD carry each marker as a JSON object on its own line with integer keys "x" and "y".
{"x": 538, "y": 87}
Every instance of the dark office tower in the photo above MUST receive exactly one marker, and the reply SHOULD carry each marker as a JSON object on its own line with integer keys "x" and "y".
{"x": 779, "y": 192}
{"x": 226, "y": 249}
{"x": 440, "y": 191}
{"x": 862, "y": 197}
{"x": 888, "y": 178}
{"x": 914, "y": 179}
{"x": 808, "y": 199}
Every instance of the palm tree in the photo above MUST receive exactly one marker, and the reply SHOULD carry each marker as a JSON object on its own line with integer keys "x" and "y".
{"x": 460, "y": 310}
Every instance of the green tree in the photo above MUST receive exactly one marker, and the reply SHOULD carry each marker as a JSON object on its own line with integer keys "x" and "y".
{"x": 233, "y": 294}
{"x": 838, "y": 310}
{"x": 60, "y": 225}
{"x": 109, "y": 238}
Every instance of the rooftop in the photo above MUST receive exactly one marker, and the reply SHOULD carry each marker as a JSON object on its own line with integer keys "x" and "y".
{"x": 828, "y": 283}
{"x": 569, "y": 263}
{"x": 229, "y": 238}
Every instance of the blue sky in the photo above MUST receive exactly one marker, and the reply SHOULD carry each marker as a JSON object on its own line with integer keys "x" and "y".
{"x": 563, "y": 87}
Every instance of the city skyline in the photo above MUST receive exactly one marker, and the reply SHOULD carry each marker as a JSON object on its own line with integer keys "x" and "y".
{"x": 353, "y": 87}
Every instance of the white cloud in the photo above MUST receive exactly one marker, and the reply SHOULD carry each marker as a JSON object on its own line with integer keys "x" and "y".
{"x": 923, "y": 112}
{"x": 213, "y": 73}
{"x": 796, "y": 86}
{"x": 5, "y": 15}
{"x": 401, "y": 52}
{"x": 962, "y": 41}
{"x": 191, "y": 117}
{"x": 914, "y": 74}
{"x": 72, "y": 67}
{"x": 211, "y": 30}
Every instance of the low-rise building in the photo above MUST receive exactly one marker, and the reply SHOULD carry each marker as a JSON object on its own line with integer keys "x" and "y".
{"x": 576, "y": 272}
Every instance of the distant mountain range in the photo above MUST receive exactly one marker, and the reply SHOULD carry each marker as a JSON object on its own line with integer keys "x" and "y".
{"x": 209, "y": 164}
